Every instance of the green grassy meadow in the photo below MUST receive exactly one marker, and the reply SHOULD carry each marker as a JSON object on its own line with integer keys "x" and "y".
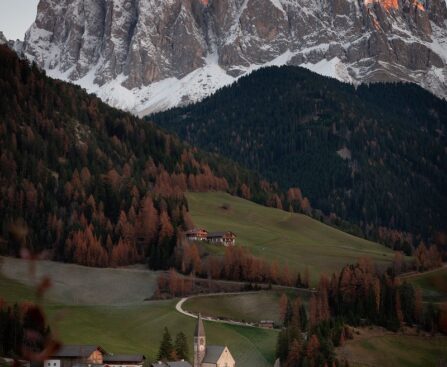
{"x": 248, "y": 307}
{"x": 396, "y": 351}
{"x": 433, "y": 284}
{"x": 289, "y": 238}
{"x": 138, "y": 328}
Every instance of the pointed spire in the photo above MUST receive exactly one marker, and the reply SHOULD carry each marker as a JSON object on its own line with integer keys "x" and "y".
{"x": 200, "y": 330}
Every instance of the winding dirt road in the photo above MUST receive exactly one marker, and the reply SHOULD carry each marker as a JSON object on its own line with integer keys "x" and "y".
{"x": 179, "y": 308}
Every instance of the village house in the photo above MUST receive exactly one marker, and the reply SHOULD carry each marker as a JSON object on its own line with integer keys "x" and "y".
{"x": 76, "y": 355}
{"x": 124, "y": 360}
{"x": 91, "y": 355}
{"x": 197, "y": 234}
{"x": 222, "y": 238}
{"x": 226, "y": 238}
{"x": 267, "y": 324}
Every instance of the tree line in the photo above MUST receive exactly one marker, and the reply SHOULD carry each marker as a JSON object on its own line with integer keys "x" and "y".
{"x": 359, "y": 295}
{"x": 170, "y": 350}
{"x": 237, "y": 264}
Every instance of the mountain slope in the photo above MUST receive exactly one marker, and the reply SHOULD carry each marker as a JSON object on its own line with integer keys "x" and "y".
{"x": 373, "y": 155}
{"x": 90, "y": 184}
{"x": 150, "y": 55}
{"x": 291, "y": 239}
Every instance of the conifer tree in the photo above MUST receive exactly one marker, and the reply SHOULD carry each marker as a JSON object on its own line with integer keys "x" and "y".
{"x": 181, "y": 347}
{"x": 166, "y": 351}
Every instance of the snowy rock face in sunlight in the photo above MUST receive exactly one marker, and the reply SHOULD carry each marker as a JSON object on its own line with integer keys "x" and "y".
{"x": 3, "y": 39}
{"x": 150, "y": 55}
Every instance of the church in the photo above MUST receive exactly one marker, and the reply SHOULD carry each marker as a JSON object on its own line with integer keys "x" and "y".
{"x": 204, "y": 355}
{"x": 209, "y": 355}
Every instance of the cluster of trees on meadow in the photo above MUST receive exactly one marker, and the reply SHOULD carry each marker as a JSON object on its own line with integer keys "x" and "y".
{"x": 173, "y": 351}
{"x": 304, "y": 341}
{"x": 237, "y": 264}
{"x": 371, "y": 158}
{"x": 359, "y": 295}
{"x": 89, "y": 184}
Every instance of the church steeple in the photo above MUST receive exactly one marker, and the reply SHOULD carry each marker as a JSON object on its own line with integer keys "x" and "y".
{"x": 199, "y": 342}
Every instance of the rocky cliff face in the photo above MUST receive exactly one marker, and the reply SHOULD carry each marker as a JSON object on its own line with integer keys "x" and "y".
{"x": 3, "y": 39}
{"x": 149, "y": 55}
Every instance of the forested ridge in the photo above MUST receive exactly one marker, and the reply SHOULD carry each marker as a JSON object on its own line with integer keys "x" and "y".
{"x": 373, "y": 155}
{"x": 86, "y": 183}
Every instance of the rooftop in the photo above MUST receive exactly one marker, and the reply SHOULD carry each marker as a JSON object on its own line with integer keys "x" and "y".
{"x": 220, "y": 234}
{"x": 134, "y": 358}
{"x": 213, "y": 353}
{"x": 74, "y": 351}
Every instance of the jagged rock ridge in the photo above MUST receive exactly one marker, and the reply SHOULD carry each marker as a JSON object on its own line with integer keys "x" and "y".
{"x": 149, "y": 55}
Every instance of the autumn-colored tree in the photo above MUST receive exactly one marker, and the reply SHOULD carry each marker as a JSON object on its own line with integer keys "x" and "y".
{"x": 418, "y": 305}
{"x": 274, "y": 272}
{"x": 166, "y": 228}
{"x": 283, "y": 302}
{"x": 293, "y": 359}
{"x": 421, "y": 257}
{"x": 147, "y": 221}
{"x": 245, "y": 192}
{"x": 173, "y": 282}
{"x": 313, "y": 345}
{"x": 313, "y": 310}
{"x": 398, "y": 262}
{"x": 195, "y": 260}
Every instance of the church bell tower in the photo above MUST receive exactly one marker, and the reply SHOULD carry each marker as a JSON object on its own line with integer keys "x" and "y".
{"x": 199, "y": 343}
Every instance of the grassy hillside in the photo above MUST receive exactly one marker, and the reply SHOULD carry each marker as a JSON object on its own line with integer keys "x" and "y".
{"x": 433, "y": 284}
{"x": 138, "y": 328}
{"x": 273, "y": 234}
{"x": 395, "y": 351}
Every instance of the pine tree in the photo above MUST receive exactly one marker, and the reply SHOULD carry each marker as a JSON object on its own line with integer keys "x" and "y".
{"x": 166, "y": 351}
{"x": 282, "y": 346}
{"x": 181, "y": 347}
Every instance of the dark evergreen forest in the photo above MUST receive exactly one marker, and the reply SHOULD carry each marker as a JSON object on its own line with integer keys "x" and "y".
{"x": 83, "y": 182}
{"x": 374, "y": 155}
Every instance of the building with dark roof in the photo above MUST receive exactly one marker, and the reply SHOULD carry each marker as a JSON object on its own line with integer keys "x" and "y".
{"x": 224, "y": 238}
{"x": 124, "y": 360}
{"x": 76, "y": 355}
{"x": 197, "y": 234}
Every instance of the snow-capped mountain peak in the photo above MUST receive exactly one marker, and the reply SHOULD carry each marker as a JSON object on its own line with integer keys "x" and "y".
{"x": 150, "y": 55}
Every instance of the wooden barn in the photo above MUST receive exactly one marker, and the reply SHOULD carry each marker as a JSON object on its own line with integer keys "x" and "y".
{"x": 197, "y": 234}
